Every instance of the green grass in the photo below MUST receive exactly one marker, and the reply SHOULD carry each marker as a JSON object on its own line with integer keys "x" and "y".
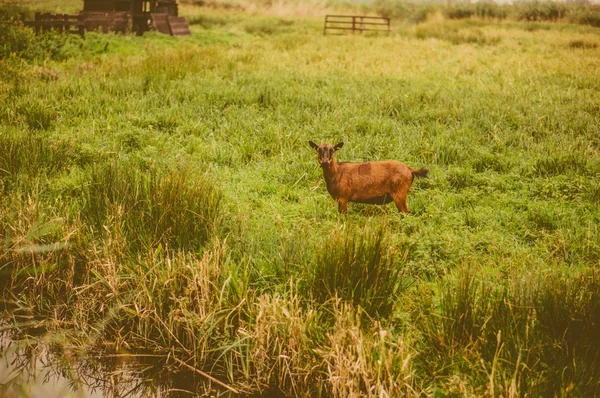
{"x": 159, "y": 195}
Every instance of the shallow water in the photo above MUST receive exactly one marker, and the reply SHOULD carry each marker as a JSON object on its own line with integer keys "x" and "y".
{"x": 40, "y": 367}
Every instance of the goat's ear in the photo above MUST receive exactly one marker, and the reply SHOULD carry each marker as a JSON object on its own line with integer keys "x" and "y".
{"x": 338, "y": 146}
{"x": 313, "y": 145}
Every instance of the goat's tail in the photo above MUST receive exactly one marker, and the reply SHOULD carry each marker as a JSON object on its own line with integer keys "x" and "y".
{"x": 420, "y": 173}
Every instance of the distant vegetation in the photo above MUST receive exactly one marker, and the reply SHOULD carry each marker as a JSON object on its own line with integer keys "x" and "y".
{"x": 158, "y": 195}
{"x": 531, "y": 11}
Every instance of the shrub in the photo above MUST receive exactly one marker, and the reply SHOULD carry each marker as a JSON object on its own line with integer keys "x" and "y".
{"x": 589, "y": 15}
{"x": 15, "y": 39}
{"x": 459, "y": 11}
{"x": 540, "y": 11}
{"x": 484, "y": 10}
{"x": 410, "y": 12}
{"x": 491, "y": 10}
{"x": 19, "y": 41}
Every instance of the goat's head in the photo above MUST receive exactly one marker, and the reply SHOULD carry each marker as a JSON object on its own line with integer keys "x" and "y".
{"x": 325, "y": 152}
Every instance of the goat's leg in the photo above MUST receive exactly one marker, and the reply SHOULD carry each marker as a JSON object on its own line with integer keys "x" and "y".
{"x": 400, "y": 201}
{"x": 342, "y": 205}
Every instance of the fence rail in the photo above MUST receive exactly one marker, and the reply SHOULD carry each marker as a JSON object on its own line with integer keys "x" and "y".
{"x": 340, "y": 24}
{"x": 61, "y": 22}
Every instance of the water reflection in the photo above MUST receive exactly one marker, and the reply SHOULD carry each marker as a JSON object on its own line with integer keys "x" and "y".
{"x": 41, "y": 367}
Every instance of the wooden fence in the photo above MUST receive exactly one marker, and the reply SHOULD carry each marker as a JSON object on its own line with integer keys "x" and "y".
{"x": 60, "y": 22}
{"x": 341, "y": 24}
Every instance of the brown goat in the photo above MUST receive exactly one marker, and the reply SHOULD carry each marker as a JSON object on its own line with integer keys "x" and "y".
{"x": 370, "y": 182}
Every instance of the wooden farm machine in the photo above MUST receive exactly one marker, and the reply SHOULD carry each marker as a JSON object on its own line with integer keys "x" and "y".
{"x": 117, "y": 16}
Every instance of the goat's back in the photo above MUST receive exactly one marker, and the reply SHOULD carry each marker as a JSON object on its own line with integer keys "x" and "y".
{"x": 364, "y": 182}
{"x": 376, "y": 171}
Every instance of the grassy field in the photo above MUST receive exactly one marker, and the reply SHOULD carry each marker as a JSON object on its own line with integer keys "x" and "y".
{"x": 158, "y": 195}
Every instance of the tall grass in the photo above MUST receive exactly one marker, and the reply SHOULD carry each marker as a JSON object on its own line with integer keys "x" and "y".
{"x": 31, "y": 155}
{"x": 177, "y": 210}
{"x": 534, "y": 333}
{"x": 362, "y": 270}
